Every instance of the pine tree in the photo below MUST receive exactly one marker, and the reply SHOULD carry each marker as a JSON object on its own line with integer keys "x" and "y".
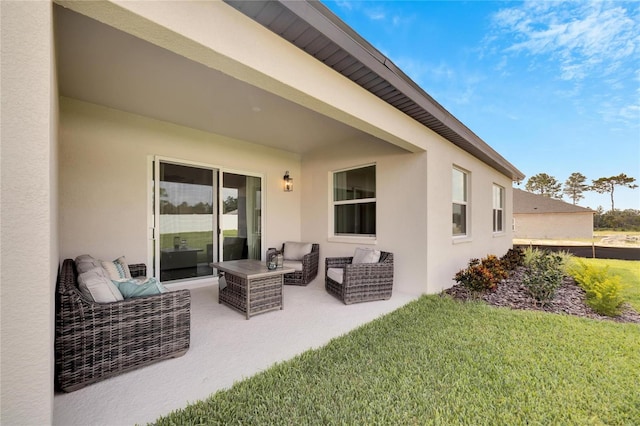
{"x": 574, "y": 186}
{"x": 608, "y": 185}
{"x": 544, "y": 184}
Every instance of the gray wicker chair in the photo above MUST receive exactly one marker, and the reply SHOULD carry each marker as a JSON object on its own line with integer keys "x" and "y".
{"x": 362, "y": 282}
{"x": 309, "y": 266}
{"x": 96, "y": 341}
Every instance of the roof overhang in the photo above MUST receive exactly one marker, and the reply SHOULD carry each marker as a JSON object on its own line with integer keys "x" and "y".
{"x": 312, "y": 27}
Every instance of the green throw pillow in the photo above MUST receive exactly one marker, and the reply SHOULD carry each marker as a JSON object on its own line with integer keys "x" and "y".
{"x": 136, "y": 288}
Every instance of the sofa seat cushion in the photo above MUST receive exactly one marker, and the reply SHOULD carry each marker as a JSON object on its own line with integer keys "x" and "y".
{"x": 296, "y": 251}
{"x": 336, "y": 274}
{"x": 293, "y": 264}
{"x": 96, "y": 285}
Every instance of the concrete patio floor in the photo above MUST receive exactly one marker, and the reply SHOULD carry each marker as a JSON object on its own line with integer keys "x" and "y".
{"x": 225, "y": 348}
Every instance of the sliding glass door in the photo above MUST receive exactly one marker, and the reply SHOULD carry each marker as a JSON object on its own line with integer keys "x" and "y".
{"x": 187, "y": 222}
{"x": 202, "y": 215}
{"x": 241, "y": 217}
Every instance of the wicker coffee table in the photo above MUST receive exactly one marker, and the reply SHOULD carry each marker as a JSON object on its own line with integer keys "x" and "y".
{"x": 251, "y": 287}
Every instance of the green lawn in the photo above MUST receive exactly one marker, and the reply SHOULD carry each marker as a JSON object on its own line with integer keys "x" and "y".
{"x": 629, "y": 271}
{"x": 438, "y": 361}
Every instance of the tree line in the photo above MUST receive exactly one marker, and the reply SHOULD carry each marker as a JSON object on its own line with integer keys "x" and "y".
{"x": 576, "y": 185}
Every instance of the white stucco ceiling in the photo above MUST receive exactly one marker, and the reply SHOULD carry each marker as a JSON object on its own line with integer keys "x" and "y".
{"x": 102, "y": 65}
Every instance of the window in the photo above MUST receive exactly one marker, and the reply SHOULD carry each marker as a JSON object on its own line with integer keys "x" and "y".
{"x": 354, "y": 202}
{"x": 460, "y": 196}
{"x": 498, "y": 208}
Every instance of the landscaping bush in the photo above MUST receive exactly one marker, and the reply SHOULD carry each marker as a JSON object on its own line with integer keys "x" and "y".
{"x": 544, "y": 274}
{"x": 604, "y": 290}
{"x": 482, "y": 275}
{"x": 513, "y": 258}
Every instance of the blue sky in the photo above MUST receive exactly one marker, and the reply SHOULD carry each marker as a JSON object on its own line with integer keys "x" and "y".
{"x": 553, "y": 86}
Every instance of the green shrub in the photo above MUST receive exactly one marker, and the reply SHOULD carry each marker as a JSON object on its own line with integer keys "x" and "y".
{"x": 513, "y": 258}
{"x": 566, "y": 260}
{"x": 544, "y": 274}
{"x": 531, "y": 255}
{"x": 604, "y": 290}
{"x": 482, "y": 275}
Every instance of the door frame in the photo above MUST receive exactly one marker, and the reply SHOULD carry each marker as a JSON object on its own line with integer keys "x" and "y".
{"x": 153, "y": 193}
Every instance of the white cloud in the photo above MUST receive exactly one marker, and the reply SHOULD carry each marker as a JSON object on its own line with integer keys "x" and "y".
{"x": 375, "y": 14}
{"x": 582, "y": 38}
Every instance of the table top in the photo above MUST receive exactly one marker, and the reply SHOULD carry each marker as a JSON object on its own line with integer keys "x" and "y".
{"x": 249, "y": 268}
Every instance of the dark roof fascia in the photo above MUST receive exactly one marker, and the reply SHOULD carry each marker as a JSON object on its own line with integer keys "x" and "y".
{"x": 424, "y": 108}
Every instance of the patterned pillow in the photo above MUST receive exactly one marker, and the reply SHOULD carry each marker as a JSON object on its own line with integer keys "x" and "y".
{"x": 118, "y": 269}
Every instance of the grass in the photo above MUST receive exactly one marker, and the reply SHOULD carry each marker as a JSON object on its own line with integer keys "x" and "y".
{"x": 197, "y": 240}
{"x": 441, "y": 362}
{"x": 629, "y": 271}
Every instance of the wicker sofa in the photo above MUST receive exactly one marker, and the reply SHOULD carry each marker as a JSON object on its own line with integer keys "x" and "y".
{"x": 95, "y": 341}
{"x": 362, "y": 282}
{"x": 309, "y": 269}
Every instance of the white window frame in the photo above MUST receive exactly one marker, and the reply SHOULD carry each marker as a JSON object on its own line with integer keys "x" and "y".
{"x": 349, "y": 238}
{"x": 465, "y": 202}
{"x": 501, "y": 192}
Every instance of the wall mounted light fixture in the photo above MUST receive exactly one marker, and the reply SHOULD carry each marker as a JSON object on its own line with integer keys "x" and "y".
{"x": 288, "y": 182}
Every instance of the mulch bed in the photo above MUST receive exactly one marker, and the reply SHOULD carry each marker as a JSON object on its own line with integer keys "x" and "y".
{"x": 569, "y": 299}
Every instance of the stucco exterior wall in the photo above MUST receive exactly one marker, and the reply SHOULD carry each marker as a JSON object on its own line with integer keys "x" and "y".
{"x": 413, "y": 209}
{"x": 447, "y": 254}
{"x": 401, "y": 188}
{"x": 105, "y": 181}
{"x": 28, "y": 254}
{"x": 554, "y": 225}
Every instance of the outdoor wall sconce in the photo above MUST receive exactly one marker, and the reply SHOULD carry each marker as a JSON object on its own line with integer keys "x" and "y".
{"x": 288, "y": 182}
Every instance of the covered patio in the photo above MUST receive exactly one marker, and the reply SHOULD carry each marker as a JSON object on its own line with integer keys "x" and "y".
{"x": 225, "y": 348}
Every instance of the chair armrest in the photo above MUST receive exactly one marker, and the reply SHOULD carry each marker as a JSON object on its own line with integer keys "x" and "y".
{"x": 310, "y": 258}
{"x": 367, "y": 273}
{"x": 337, "y": 262}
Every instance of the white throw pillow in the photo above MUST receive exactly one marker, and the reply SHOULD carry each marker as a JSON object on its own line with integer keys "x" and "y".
{"x": 97, "y": 286}
{"x": 296, "y": 251}
{"x": 85, "y": 263}
{"x": 366, "y": 255}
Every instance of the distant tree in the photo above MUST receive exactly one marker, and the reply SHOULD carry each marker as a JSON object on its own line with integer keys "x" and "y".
{"x": 620, "y": 220}
{"x": 574, "y": 186}
{"x": 544, "y": 184}
{"x": 229, "y": 204}
{"x": 608, "y": 185}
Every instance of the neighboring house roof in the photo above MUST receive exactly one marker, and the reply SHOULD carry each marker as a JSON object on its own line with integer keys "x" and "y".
{"x": 529, "y": 203}
{"x": 312, "y": 27}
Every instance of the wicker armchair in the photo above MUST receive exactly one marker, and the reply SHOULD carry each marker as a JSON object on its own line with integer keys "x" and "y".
{"x": 362, "y": 282}
{"x": 96, "y": 341}
{"x": 309, "y": 266}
